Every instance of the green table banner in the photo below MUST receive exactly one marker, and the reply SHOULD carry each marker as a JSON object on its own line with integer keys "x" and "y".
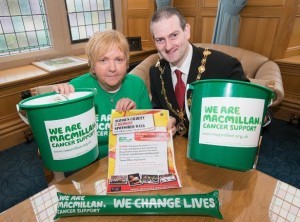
{"x": 189, "y": 204}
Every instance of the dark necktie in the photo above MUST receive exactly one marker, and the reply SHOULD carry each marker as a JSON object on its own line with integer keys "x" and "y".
{"x": 179, "y": 89}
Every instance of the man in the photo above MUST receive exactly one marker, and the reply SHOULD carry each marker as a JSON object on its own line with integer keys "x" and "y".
{"x": 183, "y": 61}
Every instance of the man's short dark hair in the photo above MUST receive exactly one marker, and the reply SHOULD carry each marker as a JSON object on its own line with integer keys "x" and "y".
{"x": 168, "y": 12}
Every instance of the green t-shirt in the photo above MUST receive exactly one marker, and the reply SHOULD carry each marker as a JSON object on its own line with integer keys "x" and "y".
{"x": 133, "y": 87}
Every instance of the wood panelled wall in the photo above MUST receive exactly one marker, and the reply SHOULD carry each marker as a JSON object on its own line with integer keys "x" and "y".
{"x": 269, "y": 27}
{"x": 266, "y": 27}
{"x": 136, "y": 19}
{"x": 290, "y": 72}
{"x": 294, "y": 42}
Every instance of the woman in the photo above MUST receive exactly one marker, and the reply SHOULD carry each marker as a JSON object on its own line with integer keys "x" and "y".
{"x": 108, "y": 55}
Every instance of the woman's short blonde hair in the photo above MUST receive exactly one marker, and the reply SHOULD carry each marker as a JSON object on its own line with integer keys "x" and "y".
{"x": 102, "y": 42}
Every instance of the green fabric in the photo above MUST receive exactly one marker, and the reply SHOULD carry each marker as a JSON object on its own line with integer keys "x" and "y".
{"x": 133, "y": 87}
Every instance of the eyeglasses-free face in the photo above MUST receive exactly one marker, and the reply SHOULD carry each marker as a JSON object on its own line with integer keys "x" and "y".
{"x": 110, "y": 69}
{"x": 171, "y": 40}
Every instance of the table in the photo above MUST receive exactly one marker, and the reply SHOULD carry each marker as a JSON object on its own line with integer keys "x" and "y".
{"x": 244, "y": 196}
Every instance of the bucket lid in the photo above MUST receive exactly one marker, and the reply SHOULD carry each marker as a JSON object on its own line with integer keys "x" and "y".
{"x": 54, "y": 99}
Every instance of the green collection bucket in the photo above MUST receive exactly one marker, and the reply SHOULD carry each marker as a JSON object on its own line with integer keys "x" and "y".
{"x": 226, "y": 118}
{"x": 64, "y": 128}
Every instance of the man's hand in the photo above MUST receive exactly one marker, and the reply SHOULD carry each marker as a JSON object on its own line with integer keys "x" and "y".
{"x": 171, "y": 125}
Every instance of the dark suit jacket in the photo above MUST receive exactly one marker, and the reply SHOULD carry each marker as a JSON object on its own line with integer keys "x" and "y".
{"x": 218, "y": 66}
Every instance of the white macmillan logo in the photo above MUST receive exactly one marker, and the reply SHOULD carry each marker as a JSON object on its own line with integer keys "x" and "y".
{"x": 72, "y": 137}
{"x": 231, "y": 121}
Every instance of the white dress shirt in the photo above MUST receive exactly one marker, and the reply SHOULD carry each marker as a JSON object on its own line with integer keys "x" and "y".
{"x": 184, "y": 68}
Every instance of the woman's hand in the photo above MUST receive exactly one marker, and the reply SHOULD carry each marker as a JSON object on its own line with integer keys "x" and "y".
{"x": 171, "y": 125}
{"x": 125, "y": 104}
{"x": 63, "y": 88}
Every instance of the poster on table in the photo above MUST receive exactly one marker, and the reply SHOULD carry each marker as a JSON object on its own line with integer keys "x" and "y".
{"x": 141, "y": 152}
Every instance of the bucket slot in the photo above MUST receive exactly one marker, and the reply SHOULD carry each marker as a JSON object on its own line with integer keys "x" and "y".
{"x": 60, "y": 97}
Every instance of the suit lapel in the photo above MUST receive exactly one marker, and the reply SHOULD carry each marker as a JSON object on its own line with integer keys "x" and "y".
{"x": 195, "y": 63}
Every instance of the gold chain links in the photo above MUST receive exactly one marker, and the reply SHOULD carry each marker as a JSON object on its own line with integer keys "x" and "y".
{"x": 181, "y": 129}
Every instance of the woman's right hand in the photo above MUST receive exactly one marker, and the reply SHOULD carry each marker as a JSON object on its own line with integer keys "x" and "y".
{"x": 63, "y": 88}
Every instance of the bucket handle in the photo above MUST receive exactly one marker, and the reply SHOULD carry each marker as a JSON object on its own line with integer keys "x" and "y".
{"x": 270, "y": 103}
{"x": 58, "y": 98}
{"x": 188, "y": 87}
{"x": 21, "y": 115}
{"x": 269, "y": 118}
